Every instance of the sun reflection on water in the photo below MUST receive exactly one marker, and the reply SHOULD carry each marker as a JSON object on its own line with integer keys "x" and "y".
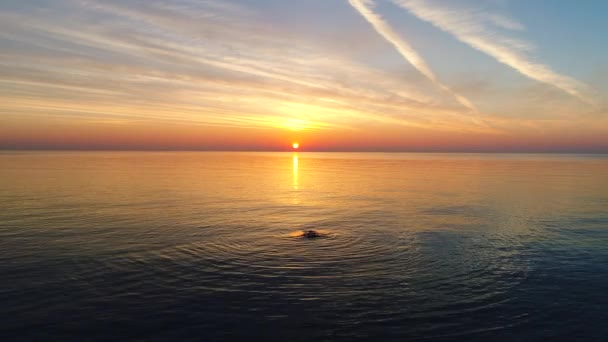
{"x": 295, "y": 171}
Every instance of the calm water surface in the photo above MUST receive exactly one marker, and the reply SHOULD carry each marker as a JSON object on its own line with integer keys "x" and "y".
{"x": 200, "y": 246}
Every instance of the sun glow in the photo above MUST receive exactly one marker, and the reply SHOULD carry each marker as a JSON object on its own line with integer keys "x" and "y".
{"x": 296, "y": 124}
{"x": 295, "y": 145}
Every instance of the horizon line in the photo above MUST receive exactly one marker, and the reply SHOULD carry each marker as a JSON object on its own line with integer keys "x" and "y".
{"x": 71, "y": 149}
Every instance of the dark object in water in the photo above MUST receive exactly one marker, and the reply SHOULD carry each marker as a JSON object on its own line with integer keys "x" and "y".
{"x": 311, "y": 234}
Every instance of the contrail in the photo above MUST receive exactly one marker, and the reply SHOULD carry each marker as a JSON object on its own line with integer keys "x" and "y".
{"x": 472, "y": 31}
{"x": 403, "y": 47}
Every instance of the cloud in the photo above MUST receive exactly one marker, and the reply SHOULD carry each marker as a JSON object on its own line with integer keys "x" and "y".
{"x": 470, "y": 27}
{"x": 157, "y": 63}
{"x": 208, "y": 63}
{"x": 403, "y": 47}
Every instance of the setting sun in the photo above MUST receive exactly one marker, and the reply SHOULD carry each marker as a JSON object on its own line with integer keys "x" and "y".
{"x": 295, "y": 145}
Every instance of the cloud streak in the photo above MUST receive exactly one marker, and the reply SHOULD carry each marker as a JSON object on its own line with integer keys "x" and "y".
{"x": 469, "y": 27}
{"x": 364, "y": 7}
{"x": 145, "y": 68}
{"x": 214, "y": 72}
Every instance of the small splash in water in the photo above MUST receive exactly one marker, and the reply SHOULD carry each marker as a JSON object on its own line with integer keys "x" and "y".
{"x": 309, "y": 234}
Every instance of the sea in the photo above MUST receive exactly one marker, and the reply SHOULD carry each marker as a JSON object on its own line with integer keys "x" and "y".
{"x": 207, "y": 246}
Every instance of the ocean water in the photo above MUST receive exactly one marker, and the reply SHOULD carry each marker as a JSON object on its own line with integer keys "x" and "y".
{"x": 201, "y": 246}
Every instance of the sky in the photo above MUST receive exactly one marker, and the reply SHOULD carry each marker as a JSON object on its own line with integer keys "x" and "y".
{"x": 334, "y": 75}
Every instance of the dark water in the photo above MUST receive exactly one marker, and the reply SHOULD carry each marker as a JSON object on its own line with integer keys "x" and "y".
{"x": 167, "y": 246}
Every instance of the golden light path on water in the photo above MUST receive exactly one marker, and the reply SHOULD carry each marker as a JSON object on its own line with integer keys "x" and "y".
{"x": 295, "y": 171}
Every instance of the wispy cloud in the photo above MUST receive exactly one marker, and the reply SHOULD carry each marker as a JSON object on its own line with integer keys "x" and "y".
{"x": 191, "y": 63}
{"x": 471, "y": 27}
{"x": 364, "y": 7}
{"x": 216, "y": 67}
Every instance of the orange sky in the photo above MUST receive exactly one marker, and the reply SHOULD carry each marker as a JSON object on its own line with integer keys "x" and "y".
{"x": 346, "y": 76}
{"x": 177, "y": 137}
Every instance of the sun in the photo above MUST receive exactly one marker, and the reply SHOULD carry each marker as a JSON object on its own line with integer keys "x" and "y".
{"x": 295, "y": 145}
